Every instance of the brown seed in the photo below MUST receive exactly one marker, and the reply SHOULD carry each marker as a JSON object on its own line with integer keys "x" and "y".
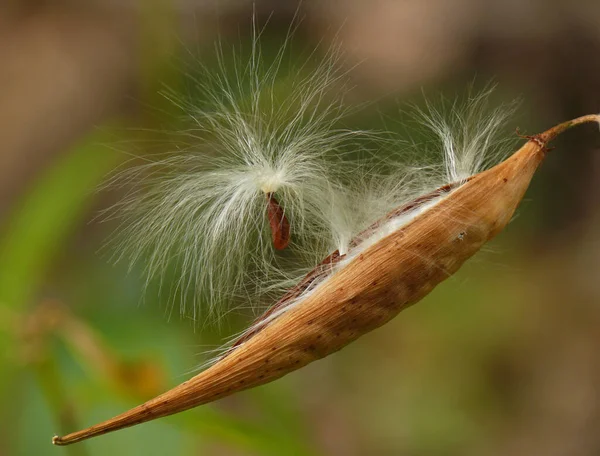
{"x": 406, "y": 265}
{"x": 280, "y": 226}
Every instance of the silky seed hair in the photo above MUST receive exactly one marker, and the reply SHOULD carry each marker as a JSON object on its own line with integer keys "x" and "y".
{"x": 471, "y": 133}
{"x": 458, "y": 138}
{"x": 264, "y": 138}
{"x": 204, "y": 209}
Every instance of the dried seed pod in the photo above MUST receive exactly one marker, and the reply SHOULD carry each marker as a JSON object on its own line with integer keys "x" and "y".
{"x": 365, "y": 292}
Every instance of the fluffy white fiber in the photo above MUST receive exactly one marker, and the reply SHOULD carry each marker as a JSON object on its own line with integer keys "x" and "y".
{"x": 203, "y": 210}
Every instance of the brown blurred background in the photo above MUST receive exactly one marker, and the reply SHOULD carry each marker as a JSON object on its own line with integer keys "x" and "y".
{"x": 504, "y": 359}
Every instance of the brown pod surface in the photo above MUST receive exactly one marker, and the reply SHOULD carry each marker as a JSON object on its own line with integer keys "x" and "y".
{"x": 370, "y": 290}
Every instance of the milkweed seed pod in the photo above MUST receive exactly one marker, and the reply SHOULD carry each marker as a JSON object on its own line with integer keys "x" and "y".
{"x": 429, "y": 239}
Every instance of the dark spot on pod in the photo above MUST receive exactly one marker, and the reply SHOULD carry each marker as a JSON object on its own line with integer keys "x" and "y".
{"x": 261, "y": 376}
{"x": 280, "y": 226}
{"x": 505, "y": 180}
{"x": 310, "y": 322}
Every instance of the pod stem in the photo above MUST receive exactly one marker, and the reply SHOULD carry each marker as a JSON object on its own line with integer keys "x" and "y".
{"x": 553, "y": 132}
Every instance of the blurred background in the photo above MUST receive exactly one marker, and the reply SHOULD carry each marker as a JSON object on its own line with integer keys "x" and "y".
{"x": 501, "y": 359}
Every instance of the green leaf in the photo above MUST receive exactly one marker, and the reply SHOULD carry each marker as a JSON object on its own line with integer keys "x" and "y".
{"x": 42, "y": 222}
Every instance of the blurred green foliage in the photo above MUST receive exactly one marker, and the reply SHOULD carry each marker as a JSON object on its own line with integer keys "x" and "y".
{"x": 65, "y": 369}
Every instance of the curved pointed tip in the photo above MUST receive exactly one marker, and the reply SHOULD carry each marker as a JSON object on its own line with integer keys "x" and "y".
{"x": 196, "y": 391}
